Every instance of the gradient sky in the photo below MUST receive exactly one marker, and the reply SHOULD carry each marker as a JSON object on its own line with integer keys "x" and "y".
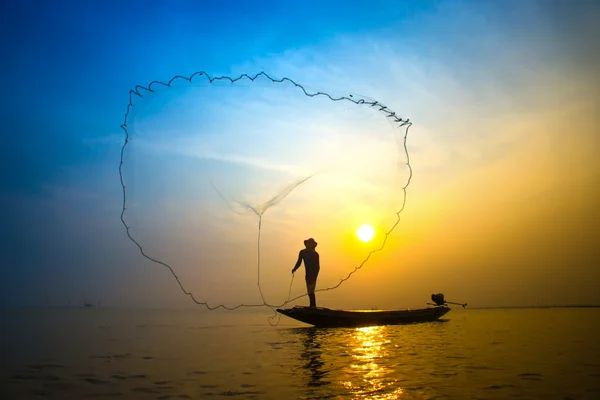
{"x": 505, "y": 144}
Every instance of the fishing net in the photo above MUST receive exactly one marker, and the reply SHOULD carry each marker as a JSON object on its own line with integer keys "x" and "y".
{"x": 223, "y": 178}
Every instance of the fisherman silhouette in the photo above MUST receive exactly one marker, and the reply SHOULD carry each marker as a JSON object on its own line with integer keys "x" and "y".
{"x": 312, "y": 267}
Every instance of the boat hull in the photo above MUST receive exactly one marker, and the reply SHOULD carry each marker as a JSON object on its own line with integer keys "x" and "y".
{"x": 325, "y": 317}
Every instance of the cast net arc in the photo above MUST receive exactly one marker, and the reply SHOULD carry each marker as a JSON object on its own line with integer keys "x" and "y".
{"x": 259, "y": 210}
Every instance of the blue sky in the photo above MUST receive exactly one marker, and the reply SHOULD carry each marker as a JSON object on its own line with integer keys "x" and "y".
{"x": 71, "y": 61}
{"x": 488, "y": 85}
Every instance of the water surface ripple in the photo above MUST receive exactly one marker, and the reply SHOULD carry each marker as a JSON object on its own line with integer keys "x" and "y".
{"x": 471, "y": 354}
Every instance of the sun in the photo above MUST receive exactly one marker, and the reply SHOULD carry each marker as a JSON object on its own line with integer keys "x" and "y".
{"x": 365, "y": 233}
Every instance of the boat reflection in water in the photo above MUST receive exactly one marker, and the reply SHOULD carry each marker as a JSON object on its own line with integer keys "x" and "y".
{"x": 312, "y": 362}
{"x": 348, "y": 363}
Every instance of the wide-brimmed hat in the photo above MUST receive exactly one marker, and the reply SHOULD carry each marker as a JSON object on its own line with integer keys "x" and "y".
{"x": 310, "y": 241}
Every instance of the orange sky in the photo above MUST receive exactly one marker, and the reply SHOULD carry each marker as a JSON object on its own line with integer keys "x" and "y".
{"x": 502, "y": 210}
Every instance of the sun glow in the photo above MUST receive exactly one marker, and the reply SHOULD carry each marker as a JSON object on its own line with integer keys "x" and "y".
{"x": 365, "y": 233}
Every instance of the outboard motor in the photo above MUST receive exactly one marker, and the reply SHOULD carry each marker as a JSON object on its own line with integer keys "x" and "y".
{"x": 438, "y": 299}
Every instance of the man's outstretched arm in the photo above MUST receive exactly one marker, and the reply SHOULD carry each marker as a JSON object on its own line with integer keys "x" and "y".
{"x": 298, "y": 263}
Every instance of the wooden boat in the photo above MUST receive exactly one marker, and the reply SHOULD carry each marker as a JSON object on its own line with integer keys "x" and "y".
{"x": 325, "y": 317}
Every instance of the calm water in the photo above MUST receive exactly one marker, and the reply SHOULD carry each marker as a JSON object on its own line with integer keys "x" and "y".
{"x": 473, "y": 354}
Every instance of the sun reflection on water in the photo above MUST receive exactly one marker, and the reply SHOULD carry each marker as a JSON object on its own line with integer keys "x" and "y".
{"x": 375, "y": 382}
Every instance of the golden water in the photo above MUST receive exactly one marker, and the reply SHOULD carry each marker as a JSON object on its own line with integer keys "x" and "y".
{"x": 133, "y": 354}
